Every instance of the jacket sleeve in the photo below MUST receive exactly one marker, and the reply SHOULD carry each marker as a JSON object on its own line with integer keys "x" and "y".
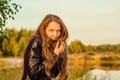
{"x": 35, "y": 65}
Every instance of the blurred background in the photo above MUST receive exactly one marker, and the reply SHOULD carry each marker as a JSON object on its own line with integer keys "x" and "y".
{"x": 93, "y": 43}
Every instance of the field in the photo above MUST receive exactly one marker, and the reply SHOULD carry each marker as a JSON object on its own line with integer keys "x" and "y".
{"x": 78, "y": 65}
{"x": 106, "y": 61}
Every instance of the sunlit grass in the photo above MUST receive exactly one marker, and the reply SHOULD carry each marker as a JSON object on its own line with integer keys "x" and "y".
{"x": 78, "y": 65}
{"x": 11, "y": 74}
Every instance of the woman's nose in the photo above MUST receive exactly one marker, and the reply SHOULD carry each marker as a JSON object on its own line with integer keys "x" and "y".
{"x": 55, "y": 33}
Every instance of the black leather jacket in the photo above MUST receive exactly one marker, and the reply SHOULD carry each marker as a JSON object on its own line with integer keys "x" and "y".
{"x": 33, "y": 62}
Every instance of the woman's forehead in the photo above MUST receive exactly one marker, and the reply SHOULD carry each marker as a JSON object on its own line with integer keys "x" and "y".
{"x": 53, "y": 25}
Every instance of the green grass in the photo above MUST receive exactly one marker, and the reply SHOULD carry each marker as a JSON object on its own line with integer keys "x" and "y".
{"x": 11, "y": 74}
{"x": 16, "y": 74}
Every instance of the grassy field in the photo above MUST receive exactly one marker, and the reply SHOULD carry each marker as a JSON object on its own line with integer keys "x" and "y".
{"x": 78, "y": 65}
{"x": 16, "y": 74}
{"x": 11, "y": 74}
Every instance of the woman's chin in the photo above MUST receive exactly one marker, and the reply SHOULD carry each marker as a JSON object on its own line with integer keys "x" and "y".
{"x": 54, "y": 39}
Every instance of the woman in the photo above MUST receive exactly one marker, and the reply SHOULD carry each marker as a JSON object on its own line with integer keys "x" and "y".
{"x": 45, "y": 56}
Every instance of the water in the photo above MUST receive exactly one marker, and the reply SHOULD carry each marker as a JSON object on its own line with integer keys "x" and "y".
{"x": 97, "y": 74}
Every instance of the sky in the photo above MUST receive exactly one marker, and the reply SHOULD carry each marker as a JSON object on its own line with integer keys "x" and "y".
{"x": 93, "y": 22}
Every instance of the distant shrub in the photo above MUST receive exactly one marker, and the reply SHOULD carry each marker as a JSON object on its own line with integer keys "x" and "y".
{"x": 108, "y": 58}
{"x": 1, "y": 53}
{"x": 108, "y": 64}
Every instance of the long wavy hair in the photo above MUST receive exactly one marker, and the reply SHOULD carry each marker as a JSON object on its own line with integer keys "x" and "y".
{"x": 47, "y": 54}
{"x": 48, "y": 46}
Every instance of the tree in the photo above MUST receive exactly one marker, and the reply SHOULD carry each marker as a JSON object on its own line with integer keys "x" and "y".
{"x": 76, "y": 47}
{"x": 7, "y": 10}
{"x": 13, "y": 42}
{"x": 117, "y": 48}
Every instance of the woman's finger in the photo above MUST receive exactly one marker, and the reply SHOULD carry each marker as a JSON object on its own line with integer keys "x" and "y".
{"x": 58, "y": 44}
{"x": 62, "y": 46}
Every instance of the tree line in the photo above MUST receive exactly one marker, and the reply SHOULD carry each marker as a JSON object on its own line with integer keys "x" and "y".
{"x": 77, "y": 46}
{"x": 13, "y": 42}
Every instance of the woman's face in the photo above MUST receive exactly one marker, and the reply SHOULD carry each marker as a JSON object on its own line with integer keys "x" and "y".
{"x": 53, "y": 30}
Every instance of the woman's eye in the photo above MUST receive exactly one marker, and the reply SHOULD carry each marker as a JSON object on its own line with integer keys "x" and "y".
{"x": 51, "y": 30}
{"x": 59, "y": 31}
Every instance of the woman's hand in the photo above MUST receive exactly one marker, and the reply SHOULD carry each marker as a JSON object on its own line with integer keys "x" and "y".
{"x": 59, "y": 48}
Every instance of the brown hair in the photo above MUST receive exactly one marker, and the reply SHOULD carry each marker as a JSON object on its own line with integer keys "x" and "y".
{"x": 45, "y": 43}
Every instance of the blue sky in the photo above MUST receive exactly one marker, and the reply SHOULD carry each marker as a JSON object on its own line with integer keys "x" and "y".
{"x": 91, "y": 21}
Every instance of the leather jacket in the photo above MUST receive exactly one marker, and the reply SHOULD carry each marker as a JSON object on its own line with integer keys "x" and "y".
{"x": 33, "y": 62}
